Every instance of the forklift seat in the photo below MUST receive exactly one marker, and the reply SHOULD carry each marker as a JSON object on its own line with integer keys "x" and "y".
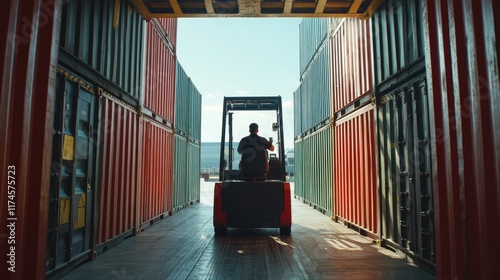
{"x": 253, "y": 164}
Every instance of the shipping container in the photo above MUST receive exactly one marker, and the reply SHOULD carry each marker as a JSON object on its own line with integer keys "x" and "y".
{"x": 28, "y": 80}
{"x": 404, "y": 153}
{"x": 398, "y": 45}
{"x": 355, "y": 171}
{"x": 405, "y": 175}
{"x": 159, "y": 80}
{"x": 186, "y": 172}
{"x": 351, "y": 64}
{"x": 314, "y": 169}
{"x": 74, "y": 180}
{"x": 463, "y": 81}
{"x": 119, "y": 160}
{"x": 187, "y": 106}
{"x": 312, "y": 99}
{"x": 156, "y": 164}
{"x": 313, "y": 33}
{"x": 103, "y": 41}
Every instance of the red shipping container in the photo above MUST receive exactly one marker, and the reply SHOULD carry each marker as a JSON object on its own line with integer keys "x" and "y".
{"x": 119, "y": 169}
{"x": 28, "y": 55}
{"x": 156, "y": 164}
{"x": 355, "y": 187}
{"x": 159, "y": 89}
{"x": 463, "y": 80}
{"x": 351, "y": 62}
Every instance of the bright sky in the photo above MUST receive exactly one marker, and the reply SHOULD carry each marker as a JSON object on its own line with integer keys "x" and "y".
{"x": 241, "y": 57}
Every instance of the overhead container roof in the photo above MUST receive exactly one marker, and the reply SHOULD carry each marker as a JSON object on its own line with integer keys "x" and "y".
{"x": 256, "y": 8}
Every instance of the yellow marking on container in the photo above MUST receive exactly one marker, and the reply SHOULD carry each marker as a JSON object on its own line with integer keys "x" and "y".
{"x": 64, "y": 210}
{"x": 116, "y": 14}
{"x": 69, "y": 147}
{"x": 80, "y": 219}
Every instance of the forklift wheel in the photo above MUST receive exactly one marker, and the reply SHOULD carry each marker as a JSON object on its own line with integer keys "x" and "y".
{"x": 285, "y": 231}
{"x": 220, "y": 230}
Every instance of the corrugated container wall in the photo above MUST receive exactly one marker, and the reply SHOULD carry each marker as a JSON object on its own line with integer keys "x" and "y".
{"x": 315, "y": 93}
{"x": 355, "y": 187}
{"x": 404, "y": 153}
{"x": 312, "y": 34}
{"x": 118, "y": 192}
{"x": 187, "y": 141}
{"x": 351, "y": 63}
{"x": 397, "y": 42}
{"x": 313, "y": 169}
{"x": 170, "y": 27}
{"x": 28, "y": 79}
{"x": 187, "y": 106}
{"x": 108, "y": 39}
{"x": 297, "y": 114}
{"x": 405, "y": 174}
{"x": 463, "y": 75}
{"x": 159, "y": 80}
{"x": 157, "y": 157}
{"x": 355, "y": 191}
{"x": 187, "y": 172}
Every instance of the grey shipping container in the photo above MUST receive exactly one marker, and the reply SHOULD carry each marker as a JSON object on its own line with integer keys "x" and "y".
{"x": 398, "y": 48}
{"x": 312, "y": 100}
{"x": 404, "y": 157}
{"x": 187, "y": 105}
{"x": 103, "y": 40}
{"x": 312, "y": 35}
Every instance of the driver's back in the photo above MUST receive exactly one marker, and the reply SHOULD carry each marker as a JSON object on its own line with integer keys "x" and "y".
{"x": 253, "y": 156}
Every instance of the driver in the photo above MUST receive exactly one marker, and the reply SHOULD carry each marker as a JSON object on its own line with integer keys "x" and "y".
{"x": 254, "y": 162}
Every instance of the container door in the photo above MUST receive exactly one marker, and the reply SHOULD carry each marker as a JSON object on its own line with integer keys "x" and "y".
{"x": 405, "y": 166}
{"x": 415, "y": 193}
{"x": 72, "y": 191}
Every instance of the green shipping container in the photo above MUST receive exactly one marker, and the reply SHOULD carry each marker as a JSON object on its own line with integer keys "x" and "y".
{"x": 186, "y": 172}
{"x": 314, "y": 169}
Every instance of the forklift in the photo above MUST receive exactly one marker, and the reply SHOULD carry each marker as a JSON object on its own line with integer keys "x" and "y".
{"x": 250, "y": 202}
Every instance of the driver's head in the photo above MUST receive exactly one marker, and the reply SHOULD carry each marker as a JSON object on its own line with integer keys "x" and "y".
{"x": 254, "y": 128}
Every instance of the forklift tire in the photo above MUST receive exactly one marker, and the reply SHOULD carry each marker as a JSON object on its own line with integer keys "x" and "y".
{"x": 285, "y": 231}
{"x": 220, "y": 230}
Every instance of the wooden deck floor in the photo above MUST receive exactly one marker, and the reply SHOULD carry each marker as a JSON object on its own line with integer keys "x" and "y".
{"x": 183, "y": 246}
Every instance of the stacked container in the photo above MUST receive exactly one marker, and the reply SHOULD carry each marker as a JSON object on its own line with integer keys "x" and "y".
{"x": 159, "y": 76}
{"x": 95, "y": 155}
{"x": 187, "y": 141}
{"x": 155, "y": 193}
{"x": 403, "y": 130}
{"x": 119, "y": 168}
{"x": 355, "y": 188}
{"x": 113, "y": 148}
{"x": 312, "y": 103}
